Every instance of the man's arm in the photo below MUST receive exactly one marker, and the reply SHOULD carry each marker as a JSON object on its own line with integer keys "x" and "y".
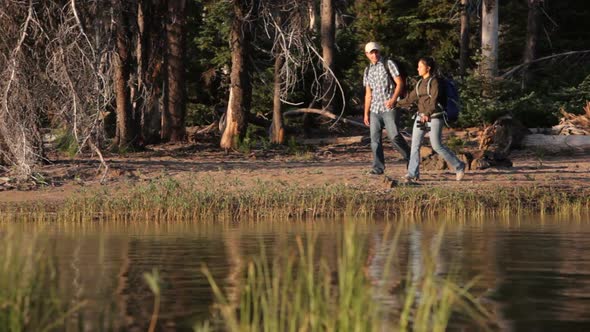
{"x": 368, "y": 97}
{"x": 400, "y": 85}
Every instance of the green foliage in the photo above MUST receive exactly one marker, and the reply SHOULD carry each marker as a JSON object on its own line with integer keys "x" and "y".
{"x": 199, "y": 114}
{"x": 66, "y": 142}
{"x": 483, "y": 101}
{"x": 573, "y": 98}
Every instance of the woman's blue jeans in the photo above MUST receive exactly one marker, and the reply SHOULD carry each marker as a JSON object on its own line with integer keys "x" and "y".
{"x": 390, "y": 121}
{"x": 436, "y": 126}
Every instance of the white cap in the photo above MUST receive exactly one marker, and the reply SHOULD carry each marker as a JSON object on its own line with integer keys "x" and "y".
{"x": 372, "y": 46}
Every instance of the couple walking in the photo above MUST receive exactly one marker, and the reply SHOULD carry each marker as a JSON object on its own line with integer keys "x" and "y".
{"x": 384, "y": 87}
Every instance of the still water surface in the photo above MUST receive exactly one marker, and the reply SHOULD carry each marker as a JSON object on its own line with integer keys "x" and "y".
{"x": 534, "y": 272}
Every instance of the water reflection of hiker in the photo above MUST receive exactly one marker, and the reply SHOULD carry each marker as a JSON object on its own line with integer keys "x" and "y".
{"x": 429, "y": 117}
{"x": 383, "y": 86}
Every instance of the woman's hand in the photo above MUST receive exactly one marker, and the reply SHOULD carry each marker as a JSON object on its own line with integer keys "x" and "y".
{"x": 424, "y": 118}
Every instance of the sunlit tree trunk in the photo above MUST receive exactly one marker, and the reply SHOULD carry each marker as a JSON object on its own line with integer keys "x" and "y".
{"x": 464, "y": 57}
{"x": 173, "y": 127}
{"x": 532, "y": 34}
{"x": 122, "y": 67}
{"x": 278, "y": 135}
{"x": 489, "y": 38}
{"x": 328, "y": 36}
{"x": 240, "y": 90}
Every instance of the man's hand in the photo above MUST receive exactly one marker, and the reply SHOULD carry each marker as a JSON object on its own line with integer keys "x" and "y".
{"x": 390, "y": 103}
{"x": 367, "y": 120}
{"x": 424, "y": 118}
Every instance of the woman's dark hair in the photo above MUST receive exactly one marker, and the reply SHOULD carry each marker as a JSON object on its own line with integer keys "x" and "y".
{"x": 429, "y": 61}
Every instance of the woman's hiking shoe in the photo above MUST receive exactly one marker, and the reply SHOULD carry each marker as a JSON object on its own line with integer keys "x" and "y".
{"x": 460, "y": 174}
{"x": 409, "y": 179}
{"x": 375, "y": 172}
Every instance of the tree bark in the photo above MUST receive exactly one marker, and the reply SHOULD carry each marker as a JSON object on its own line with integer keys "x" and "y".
{"x": 126, "y": 134}
{"x": 173, "y": 127}
{"x": 489, "y": 38}
{"x": 532, "y": 35}
{"x": 328, "y": 36}
{"x": 278, "y": 134}
{"x": 240, "y": 90}
{"x": 464, "y": 48}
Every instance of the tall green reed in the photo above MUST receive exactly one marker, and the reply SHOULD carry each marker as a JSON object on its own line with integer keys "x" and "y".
{"x": 170, "y": 200}
{"x": 29, "y": 299}
{"x": 301, "y": 293}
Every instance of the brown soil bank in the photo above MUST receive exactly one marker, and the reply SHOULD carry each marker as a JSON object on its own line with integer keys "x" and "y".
{"x": 554, "y": 180}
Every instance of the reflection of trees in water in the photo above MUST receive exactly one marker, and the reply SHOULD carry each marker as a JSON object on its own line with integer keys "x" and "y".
{"x": 87, "y": 267}
{"x": 233, "y": 244}
{"x": 185, "y": 293}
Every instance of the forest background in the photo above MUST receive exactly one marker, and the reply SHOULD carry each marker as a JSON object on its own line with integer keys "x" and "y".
{"x": 118, "y": 75}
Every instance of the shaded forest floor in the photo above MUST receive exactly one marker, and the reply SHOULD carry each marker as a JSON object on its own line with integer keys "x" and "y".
{"x": 202, "y": 161}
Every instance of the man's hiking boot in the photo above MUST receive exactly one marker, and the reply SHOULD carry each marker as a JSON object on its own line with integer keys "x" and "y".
{"x": 375, "y": 172}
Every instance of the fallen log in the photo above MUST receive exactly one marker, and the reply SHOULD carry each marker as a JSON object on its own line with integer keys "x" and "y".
{"x": 335, "y": 140}
{"x": 324, "y": 113}
{"x": 557, "y": 143}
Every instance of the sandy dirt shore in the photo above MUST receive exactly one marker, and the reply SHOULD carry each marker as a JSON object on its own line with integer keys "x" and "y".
{"x": 329, "y": 164}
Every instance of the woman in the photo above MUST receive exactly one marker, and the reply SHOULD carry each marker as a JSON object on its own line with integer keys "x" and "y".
{"x": 430, "y": 117}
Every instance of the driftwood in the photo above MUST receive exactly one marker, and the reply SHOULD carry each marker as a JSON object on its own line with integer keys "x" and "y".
{"x": 573, "y": 124}
{"x": 557, "y": 143}
{"x": 496, "y": 141}
{"x": 324, "y": 113}
{"x": 503, "y": 135}
{"x": 335, "y": 140}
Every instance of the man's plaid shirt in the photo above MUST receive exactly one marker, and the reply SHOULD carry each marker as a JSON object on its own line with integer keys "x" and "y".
{"x": 381, "y": 83}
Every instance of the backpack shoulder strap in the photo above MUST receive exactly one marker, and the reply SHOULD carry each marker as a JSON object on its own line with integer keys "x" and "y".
{"x": 417, "y": 87}
{"x": 428, "y": 86}
{"x": 386, "y": 66}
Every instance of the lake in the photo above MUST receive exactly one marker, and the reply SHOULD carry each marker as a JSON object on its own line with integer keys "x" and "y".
{"x": 534, "y": 271}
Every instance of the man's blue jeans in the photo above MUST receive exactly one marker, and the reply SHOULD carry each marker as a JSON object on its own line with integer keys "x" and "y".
{"x": 436, "y": 126}
{"x": 390, "y": 121}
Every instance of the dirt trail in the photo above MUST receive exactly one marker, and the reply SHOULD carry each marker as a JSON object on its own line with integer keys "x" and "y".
{"x": 348, "y": 165}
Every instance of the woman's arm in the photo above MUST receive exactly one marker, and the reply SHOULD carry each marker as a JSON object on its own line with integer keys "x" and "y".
{"x": 409, "y": 100}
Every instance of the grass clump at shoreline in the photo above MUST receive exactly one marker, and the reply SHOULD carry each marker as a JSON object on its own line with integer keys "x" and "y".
{"x": 171, "y": 200}
{"x": 28, "y": 287}
{"x": 299, "y": 293}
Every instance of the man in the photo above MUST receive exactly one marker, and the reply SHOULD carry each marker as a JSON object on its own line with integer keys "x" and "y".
{"x": 383, "y": 88}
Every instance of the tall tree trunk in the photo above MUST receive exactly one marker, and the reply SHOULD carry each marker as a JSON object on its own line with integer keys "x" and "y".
{"x": 489, "y": 38}
{"x": 312, "y": 11}
{"x": 278, "y": 135}
{"x": 532, "y": 34}
{"x": 142, "y": 56}
{"x": 328, "y": 36}
{"x": 464, "y": 56}
{"x": 240, "y": 91}
{"x": 173, "y": 127}
{"x": 122, "y": 66}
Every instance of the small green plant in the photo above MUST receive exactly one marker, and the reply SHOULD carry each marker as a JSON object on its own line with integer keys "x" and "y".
{"x": 66, "y": 142}
{"x": 456, "y": 144}
{"x": 153, "y": 280}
